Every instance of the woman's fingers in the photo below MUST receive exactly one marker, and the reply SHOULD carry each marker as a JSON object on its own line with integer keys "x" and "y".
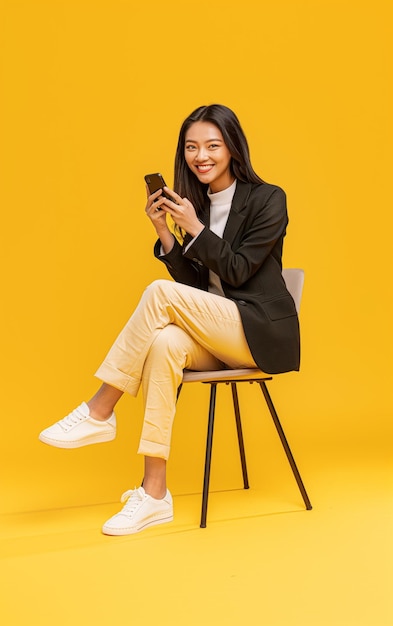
{"x": 154, "y": 201}
{"x": 172, "y": 194}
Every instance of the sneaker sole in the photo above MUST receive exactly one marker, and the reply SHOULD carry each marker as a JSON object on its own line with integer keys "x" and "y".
{"x": 136, "y": 529}
{"x": 79, "y": 443}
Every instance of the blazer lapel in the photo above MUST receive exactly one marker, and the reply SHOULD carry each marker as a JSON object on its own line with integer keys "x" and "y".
{"x": 235, "y": 218}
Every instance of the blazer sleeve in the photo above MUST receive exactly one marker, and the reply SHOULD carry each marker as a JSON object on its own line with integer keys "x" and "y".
{"x": 181, "y": 268}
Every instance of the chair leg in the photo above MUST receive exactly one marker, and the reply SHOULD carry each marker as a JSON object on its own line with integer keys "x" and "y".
{"x": 235, "y": 399}
{"x": 285, "y": 445}
{"x": 208, "y": 457}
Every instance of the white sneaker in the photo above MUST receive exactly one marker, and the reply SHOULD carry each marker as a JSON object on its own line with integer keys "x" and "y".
{"x": 79, "y": 429}
{"x": 139, "y": 512}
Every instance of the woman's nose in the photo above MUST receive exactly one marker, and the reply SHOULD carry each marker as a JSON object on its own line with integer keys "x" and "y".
{"x": 201, "y": 155}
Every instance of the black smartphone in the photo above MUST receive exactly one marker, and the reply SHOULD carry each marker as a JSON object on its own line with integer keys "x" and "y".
{"x": 155, "y": 182}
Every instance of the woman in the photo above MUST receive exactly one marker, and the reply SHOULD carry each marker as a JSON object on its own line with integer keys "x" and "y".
{"x": 227, "y": 306}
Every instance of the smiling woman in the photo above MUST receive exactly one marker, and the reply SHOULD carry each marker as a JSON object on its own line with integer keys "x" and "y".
{"x": 227, "y": 277}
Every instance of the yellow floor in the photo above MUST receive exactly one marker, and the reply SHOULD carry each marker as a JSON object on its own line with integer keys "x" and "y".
{"x": 262, "y": 559}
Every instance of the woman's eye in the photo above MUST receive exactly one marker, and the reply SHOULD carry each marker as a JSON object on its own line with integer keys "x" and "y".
{"x": 190, "y": 147}
{"x": 213, "y": 145}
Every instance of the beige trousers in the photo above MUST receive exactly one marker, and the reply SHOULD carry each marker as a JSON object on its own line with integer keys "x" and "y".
{"x": 174, "y": 327}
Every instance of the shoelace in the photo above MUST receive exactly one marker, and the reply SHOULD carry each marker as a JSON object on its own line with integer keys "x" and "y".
{"x": 73, "y": 418}
{"x": 133, "y": 499}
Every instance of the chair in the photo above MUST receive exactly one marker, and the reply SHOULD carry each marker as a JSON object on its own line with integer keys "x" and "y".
{"x": 294, "y": 279}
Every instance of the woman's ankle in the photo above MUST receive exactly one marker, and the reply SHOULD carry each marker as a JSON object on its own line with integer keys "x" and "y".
{"x": 158, "y": 493}
{"x": 101, "y": 405}
{"x": 99, "y": 412}
{"x": 154, "y": 480}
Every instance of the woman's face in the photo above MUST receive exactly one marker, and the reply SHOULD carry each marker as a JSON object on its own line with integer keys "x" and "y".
{"x": 207, "y": 156}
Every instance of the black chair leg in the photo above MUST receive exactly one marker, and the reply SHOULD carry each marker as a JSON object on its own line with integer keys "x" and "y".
{"x": 208, "y": 457}
{"x": 235, "y": 399}
{"x": 285, "y": 445}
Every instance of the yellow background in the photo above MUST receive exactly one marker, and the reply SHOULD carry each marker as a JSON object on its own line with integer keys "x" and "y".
{"x": 93, "y": 95}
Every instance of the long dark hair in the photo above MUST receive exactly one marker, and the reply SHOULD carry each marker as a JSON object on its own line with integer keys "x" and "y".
{"x": 186, "y": 183}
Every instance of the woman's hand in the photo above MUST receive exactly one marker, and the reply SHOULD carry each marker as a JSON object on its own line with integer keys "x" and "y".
{"x": 182, "y": 212}
{"x": 154, "y": 211}
{"x": 157, "y": 216}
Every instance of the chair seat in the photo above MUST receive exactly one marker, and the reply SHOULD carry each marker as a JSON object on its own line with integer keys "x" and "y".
{"x": 191, "y": 376}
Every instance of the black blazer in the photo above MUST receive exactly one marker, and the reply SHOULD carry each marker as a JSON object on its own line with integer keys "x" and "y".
{"x": 248, "y": 261}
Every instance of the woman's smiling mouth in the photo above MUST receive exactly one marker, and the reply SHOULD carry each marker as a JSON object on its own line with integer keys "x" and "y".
{"x": 204, "y": 168}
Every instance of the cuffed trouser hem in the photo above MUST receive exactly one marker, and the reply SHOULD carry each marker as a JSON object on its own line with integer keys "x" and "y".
{"x": 117, "y": 379}
{"x": 151, "y": 448}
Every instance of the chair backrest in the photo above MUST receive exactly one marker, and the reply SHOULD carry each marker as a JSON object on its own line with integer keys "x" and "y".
{"x": 294, "y": 280}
